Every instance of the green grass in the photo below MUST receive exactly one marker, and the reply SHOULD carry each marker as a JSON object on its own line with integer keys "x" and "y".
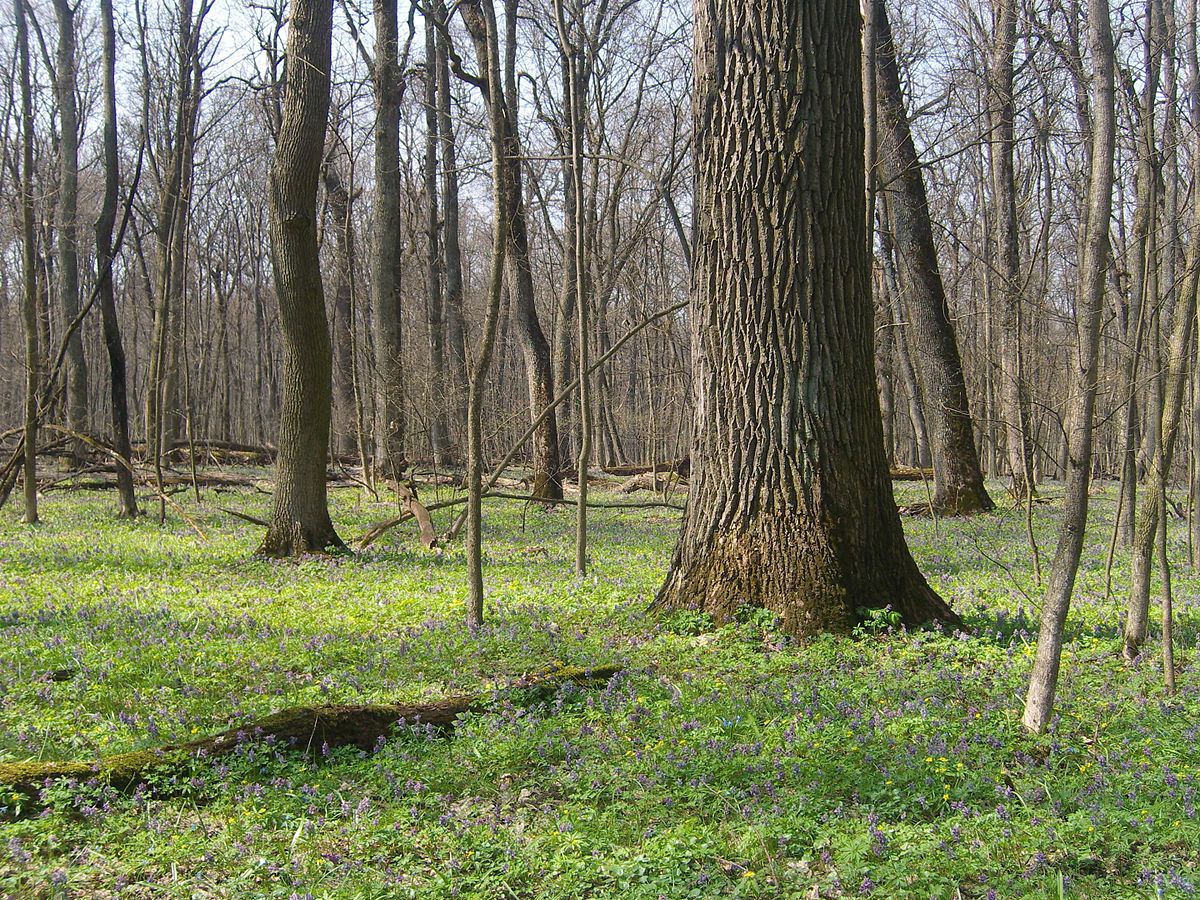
{"x": 723, "y": 762}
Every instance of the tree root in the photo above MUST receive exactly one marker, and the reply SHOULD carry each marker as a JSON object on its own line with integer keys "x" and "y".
{"x": 308, "y": 729}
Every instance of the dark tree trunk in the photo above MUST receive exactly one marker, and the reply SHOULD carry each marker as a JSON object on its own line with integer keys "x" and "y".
{"x": 343, "y": 344}
{"x": 300, "y": 520}
{"x": 386, "y": 252}
{"x": 104, "y": 259}
{"x": 29, "y": 298}
{"x": 790, "y": 507}
{"x": 68, "y": 212}
{"x": 539, "y": 372}
{"x": 456, "y": 339}
{"x": 958, "y": 481}
{"x": 439, "y": 431}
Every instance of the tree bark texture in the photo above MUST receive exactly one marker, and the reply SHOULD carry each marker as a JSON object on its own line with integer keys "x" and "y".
{"x": 958, "y": 480}
{"x": 29, "y": 297}
{"x": 300, "y": 520}
{"x": 790, "y": 507}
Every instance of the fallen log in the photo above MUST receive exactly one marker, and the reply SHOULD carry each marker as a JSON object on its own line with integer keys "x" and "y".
{"x": 681, "y": 467}
{"x": 652, "y": 482}
{"x": 911, "y": 473}
{"x": 306, "y": 729}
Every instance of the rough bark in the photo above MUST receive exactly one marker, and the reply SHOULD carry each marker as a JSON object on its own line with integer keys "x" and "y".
{"x": 338, "y": 197}
{"x": 958, "y": 480}
{"x": 790, "y": 507}
{"x": 1093, "y": 267}
{"x": 300, "y": 520}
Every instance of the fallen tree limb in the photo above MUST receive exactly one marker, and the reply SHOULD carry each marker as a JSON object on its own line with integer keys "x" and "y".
{"x": 411, "y": 505}
{"x": 306, "y": 729}
{"x": 681, "y": 467}
{"x": 910, "y": 473}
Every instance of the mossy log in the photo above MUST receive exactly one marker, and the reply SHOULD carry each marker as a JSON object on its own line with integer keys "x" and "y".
{"x": 305, "y": 729}
{"x": 910, "y": 473}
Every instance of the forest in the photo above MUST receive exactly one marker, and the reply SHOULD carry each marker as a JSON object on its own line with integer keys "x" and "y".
{"x": 599, "y": 448}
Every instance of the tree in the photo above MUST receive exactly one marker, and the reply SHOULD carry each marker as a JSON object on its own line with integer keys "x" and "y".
{"x": 29, "y": 313}
{"x": 958, "y": 480}
{"x": 790, "y": 507}
{"x": 387, "y": 72}
{"x": 65, "y": 86}
{"x": 1093, "y": 268}
{"x": 104, "y": 266}
{"x": 300, "y": 520}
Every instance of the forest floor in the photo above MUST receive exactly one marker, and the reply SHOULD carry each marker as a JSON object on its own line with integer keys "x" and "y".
{"x": 720, "y": 762}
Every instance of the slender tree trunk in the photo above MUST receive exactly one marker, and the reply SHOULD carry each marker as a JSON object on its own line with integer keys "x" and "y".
{"x": 127, "y": 500}
{"x": 386, "y": 252}
{"x": 1178, "y": 355}
{"x": 1093, "y": 267}
{"x": 68, "y": 213}
{"x": 451, "y": 253}
{"x": 29, "y": 298}
{"x": 300, "y": 520}
{"x": 958, "y": 480}
{"x": 487, "y": 50}
{"x": 790, "y": 505}
{"x": 343, "y": 345}
{"x": 439, "y": 430}
{"x": 1014, "y": 400}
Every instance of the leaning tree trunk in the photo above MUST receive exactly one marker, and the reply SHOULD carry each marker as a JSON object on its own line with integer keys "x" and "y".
{"x": 104, "y": 263}
{"x": 790, "y": 506}
{"x": 300, "y": 515}
{"x": 958, "y": 480}
{"x": 1093, "y": 266}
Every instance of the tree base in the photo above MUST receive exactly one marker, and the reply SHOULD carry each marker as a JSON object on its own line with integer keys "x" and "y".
{"x": 293, "y": 539}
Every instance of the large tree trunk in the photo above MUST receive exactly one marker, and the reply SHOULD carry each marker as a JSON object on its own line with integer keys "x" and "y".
{"x": 300, "y": 520}
{"x": 958, "y": 481}
{"x": 386, "y": 252}
{"x": 790, "y": 507}
{"x": 1093, "y": 266}
{"x": 68, "y": 213}
{"x": 104, "y": 261}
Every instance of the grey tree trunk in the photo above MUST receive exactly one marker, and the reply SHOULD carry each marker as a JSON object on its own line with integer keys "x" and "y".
{"x": 1014, "y": 399}
{"x": 338, "y": 197}
{"x": 958, "y": 480}
{"x": 1178, "y": 354}
{"x": 300, "y": 520}
{"x": 1093, "y": 267}
{"x": 790, "y": 505}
